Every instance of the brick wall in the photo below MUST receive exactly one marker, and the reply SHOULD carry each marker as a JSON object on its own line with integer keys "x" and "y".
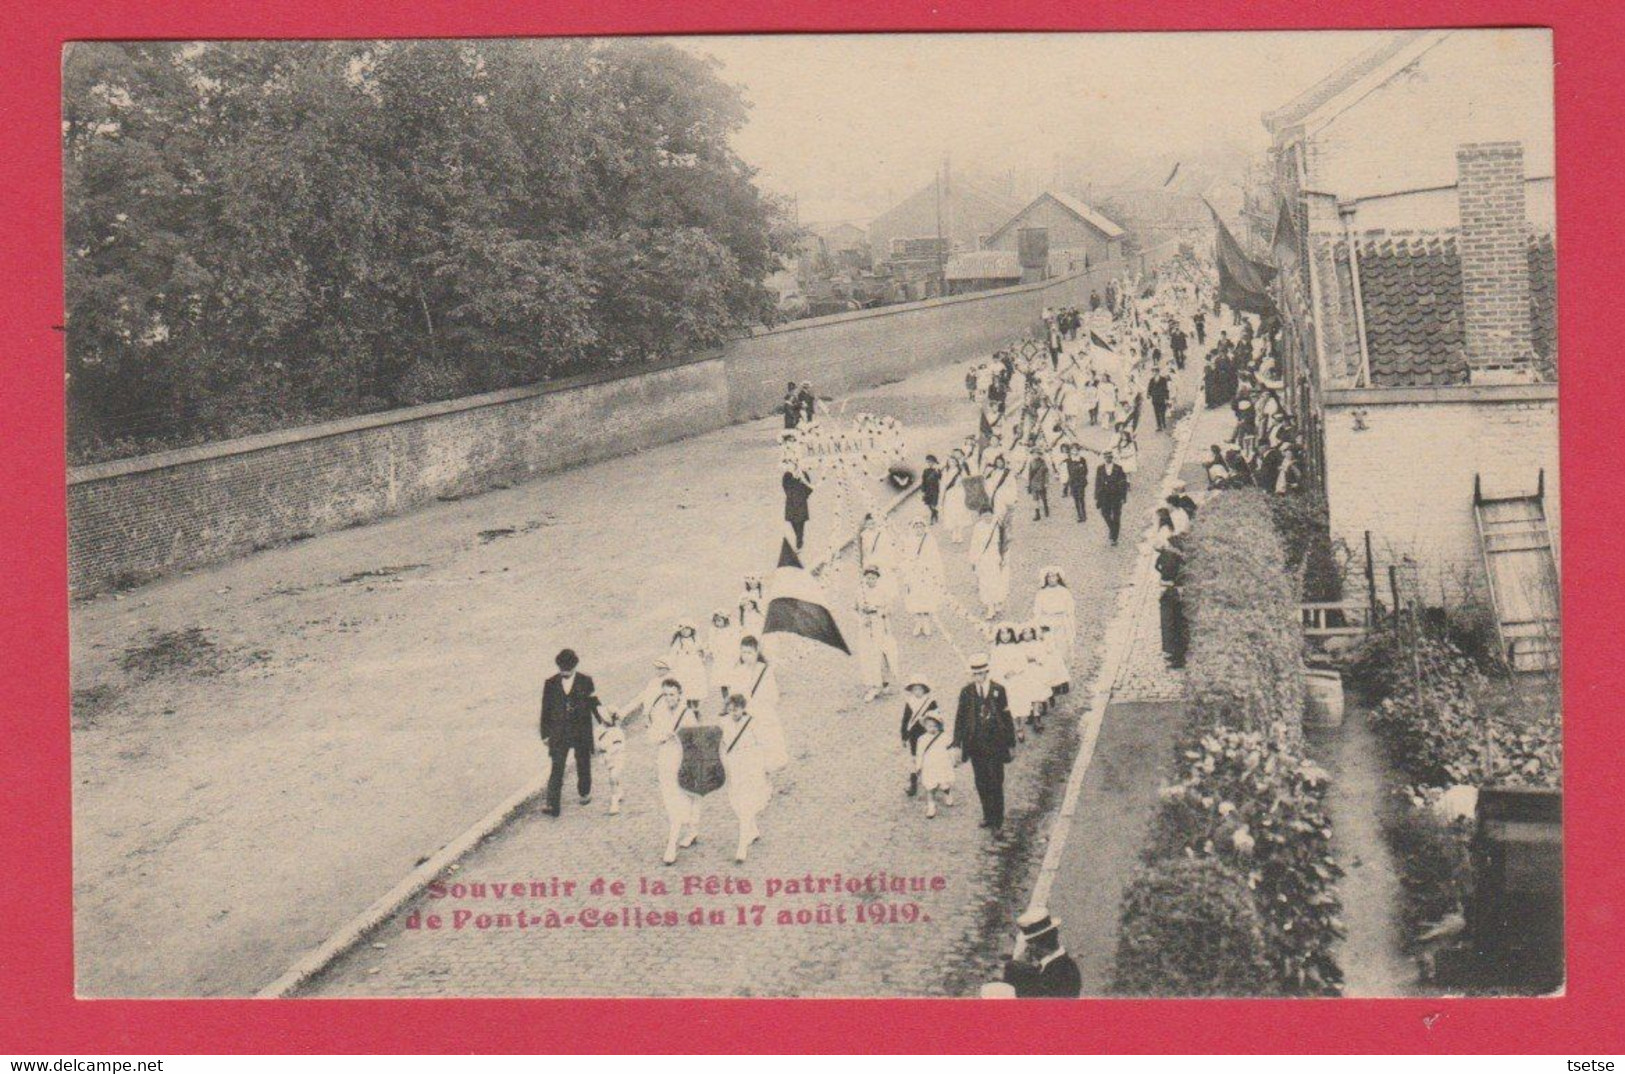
{"x": 1408, "y": 475}
{"x": 138, "y": 519}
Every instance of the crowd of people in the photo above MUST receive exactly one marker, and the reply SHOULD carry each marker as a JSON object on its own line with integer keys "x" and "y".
{"x": 1051, "y": 409}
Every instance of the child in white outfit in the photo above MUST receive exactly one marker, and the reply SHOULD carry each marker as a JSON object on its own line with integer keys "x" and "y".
{"x": 609, "y": 742}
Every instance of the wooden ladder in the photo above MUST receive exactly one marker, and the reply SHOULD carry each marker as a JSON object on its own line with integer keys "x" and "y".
{"x": 1516, "y": 545}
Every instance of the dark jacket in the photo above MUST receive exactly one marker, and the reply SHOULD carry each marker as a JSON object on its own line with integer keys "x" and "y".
{"x": 1057, "y": 979}
{"x": 913, "y": 726}
{"x": 1111, "y": 486}
{"x": 1077, "y": 476}
{"x": 796, "y": 494}
{"x": 1157, "y": 389}
{"x": 567, "y": 718}
{"x": 931, "y": 485}
{"x": 983, "y": 729}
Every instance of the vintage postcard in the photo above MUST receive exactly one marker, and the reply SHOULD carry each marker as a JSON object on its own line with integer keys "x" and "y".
{"x": 1028, "y": 515}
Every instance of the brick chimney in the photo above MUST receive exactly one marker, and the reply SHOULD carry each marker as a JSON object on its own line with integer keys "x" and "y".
{"x": 1494, "y": 263}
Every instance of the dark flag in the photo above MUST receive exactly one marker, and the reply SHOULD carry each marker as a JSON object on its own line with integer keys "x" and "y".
{"x": 1284, "y": 243}
{"x": 1097, "y": 341}
{"x": 984, "y": 429}
{"x": 1243, "y": 282}
{"x": 796, "y": 604}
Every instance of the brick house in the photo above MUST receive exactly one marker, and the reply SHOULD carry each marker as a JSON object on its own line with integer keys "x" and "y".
{"x": 1079, "y": 236}
{"x": 1416, "y": 280}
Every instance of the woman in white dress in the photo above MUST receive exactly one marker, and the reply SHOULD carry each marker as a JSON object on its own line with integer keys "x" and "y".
{"x": 988, "y": 561}
{"x": 688, "y": 664}
{"x": 752, "y": 677}
{"x": 669, "y": 712}
{"x": 923, "y": 577}
{"x": 744, "y": 760}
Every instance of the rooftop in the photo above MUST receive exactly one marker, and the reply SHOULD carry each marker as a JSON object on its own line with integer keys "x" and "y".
{"x": 1411, "y": 287}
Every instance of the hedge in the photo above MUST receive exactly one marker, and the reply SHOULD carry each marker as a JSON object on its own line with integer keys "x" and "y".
{"x": 1190, "y": 928}
{"x": 1244, "y": 667}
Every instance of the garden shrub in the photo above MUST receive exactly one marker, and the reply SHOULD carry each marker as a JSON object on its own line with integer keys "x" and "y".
{"x": 1246, "y": 653}
{"x": 1299, "y": 518}
{"x": 1190, "y": 928}
{"x": 1255, "y": 802}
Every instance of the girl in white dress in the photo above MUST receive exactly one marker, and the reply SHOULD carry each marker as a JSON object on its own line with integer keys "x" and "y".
{"x": 923, "y": 577}
{"x": 1008, "y": 663}
{"x": 752, "y": 677}
{"x": 1054, "y": 607}
{"x": 669, "y": 712}
{"x": 988, "y": 561}
{"x": 1128, "y": 455}
{"x": 744, "y": 761}
{"x": 875, "y": 546}
{"x": 934, "y": 756}
{"x": 721, "y": 644}
{"x": 956, "y": 516}
{"x": 688, "y": 664}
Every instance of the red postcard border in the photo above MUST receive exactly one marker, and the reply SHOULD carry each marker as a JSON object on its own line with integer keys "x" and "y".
{"x": 40, "y": 1013}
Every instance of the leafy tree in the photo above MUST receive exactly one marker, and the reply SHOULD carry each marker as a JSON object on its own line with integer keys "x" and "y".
{"x": 265, "y": 233}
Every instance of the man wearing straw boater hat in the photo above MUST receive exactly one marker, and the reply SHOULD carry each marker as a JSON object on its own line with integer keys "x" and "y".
{"x": 1040, "y": 968}
{"x": 985, "y": 735}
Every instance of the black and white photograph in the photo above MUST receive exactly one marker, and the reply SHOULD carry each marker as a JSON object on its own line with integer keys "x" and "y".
{"x": 975, "y": 515}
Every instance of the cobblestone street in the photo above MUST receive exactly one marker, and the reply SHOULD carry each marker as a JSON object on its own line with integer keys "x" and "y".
{"x": 842, "y": 811}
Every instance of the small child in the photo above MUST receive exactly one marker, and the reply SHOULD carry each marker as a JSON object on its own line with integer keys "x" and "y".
{"x": 931, "y": 486}
{"x": 609, "y": 742}
{"x": 934, "y": 759}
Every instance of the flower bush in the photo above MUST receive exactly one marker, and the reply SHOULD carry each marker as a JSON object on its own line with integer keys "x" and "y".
{"x": 1256, "y": 803}
{"x": 1190, "y": 928}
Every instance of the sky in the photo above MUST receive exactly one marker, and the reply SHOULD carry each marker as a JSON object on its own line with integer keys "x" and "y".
{"x": 850, "y": 124}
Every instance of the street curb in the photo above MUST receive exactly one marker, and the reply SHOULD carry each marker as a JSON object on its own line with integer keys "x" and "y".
{"x": 357, "y": 928}
{"x": 1117, "y": 641}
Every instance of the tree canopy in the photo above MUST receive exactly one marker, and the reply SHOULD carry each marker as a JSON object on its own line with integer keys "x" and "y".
{"x": 262, "y": 234}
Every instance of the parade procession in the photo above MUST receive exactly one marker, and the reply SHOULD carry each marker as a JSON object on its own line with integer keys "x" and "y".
{"x": 522, "y": 544}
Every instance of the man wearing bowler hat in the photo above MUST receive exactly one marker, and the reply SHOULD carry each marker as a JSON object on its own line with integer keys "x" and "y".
{"x": 985, "y": 735}
{"x": 1040, "y": 968}
{"x": 569, "y": 701}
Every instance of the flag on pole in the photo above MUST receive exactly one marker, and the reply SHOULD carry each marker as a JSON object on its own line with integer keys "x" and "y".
{"x": 796, "y": 604}
{"x": 1243, "y": 282}
{"x": 1171, "y": 174}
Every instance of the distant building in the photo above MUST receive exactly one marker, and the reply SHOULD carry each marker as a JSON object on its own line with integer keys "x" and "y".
{"x": 982, "y": 270}
{"x": 946, "y": 207}
{"x": 1416, "y": 279}
{"x": 1078, "y": 235}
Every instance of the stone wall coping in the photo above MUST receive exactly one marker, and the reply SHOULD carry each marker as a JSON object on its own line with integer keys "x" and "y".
{"x": 1450, "y": 393}
{"x": 243, "y": 445}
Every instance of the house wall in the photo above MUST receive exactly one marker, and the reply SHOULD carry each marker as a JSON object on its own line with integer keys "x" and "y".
{"x": 1070, "y": 239}
{"x": 1407, "y": 475}
{"x": 138, "y": 519}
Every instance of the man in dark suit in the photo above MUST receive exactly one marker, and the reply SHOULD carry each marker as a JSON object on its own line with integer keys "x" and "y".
{"x": 985, "y": 735}
{"x": 569, "y": 701}
{"x": 798, "y": 491}
{"x": 1040, "y": 967}
{"x": 1157, "y": 390}
{"x": 1077, "y": 480}
{"x": 1111, "y": 490}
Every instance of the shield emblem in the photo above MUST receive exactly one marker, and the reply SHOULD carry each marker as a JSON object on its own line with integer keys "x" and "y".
{"x": 701, "y": 769}
{"x": 975, "y": 493}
